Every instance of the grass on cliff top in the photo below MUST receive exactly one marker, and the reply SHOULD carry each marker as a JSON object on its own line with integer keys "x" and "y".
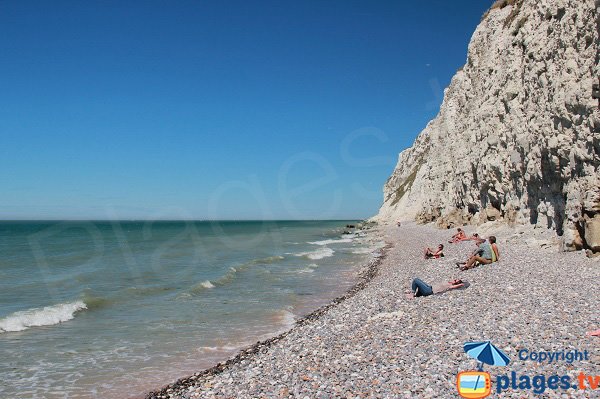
{"x": 499, "y": 4}
{"x": 407, "y": 185}
{"x": 503, "y": 3}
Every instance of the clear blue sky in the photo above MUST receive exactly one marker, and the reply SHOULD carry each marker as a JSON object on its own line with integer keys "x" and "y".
{"x": 217, "y": 109}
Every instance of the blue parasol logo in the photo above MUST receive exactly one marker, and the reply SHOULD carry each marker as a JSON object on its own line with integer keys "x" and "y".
{"x": 477, "y": 384}
{"x": 486, "y": 352}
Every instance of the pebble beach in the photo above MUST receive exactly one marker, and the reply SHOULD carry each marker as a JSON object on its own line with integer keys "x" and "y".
{"x": 374, "y": 342}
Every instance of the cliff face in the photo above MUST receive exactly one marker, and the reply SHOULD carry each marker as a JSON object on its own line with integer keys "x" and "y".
{"x": 517, "y": 137}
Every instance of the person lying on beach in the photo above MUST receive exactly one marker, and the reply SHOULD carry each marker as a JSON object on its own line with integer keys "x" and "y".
{"x": 459, "y": 236}
{"x": 430, "y": 254}
{"x": 593, "y": 333}
{"x": 487, "y": 253}
{"x": 475, "y": 237}
{"x": 421, "y": 288}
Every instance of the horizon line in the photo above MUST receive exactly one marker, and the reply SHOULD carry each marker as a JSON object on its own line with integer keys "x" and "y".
{"x": 182, "y": 220}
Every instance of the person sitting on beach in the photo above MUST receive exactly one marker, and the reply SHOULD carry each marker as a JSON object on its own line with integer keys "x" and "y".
{"x": 459, "y": 236}
{"x": 430, "y": 254}
{"x": 487, "y": 253}
{"x": 421, "y": 288}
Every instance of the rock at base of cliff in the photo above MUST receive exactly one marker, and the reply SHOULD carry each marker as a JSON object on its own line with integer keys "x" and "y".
{"x": 592, "y": 232}
{"x": 571, "y": 240}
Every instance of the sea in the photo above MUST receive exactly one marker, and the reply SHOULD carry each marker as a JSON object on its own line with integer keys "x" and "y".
{"x": 116, "y": 309}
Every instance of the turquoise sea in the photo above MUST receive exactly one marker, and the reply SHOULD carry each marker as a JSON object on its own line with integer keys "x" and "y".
{"x": 114, "y": 309}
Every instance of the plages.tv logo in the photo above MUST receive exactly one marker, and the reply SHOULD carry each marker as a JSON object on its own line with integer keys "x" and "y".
{"x": 478, "y": 384}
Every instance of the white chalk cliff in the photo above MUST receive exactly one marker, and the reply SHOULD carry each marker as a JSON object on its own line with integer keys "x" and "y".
{"x": 517, "y": 137}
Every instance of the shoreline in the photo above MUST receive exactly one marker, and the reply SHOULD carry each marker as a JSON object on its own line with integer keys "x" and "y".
{"x": 376, "y": 343}
{"x": 168, "y": 329}
{"x": 365, "y": 274}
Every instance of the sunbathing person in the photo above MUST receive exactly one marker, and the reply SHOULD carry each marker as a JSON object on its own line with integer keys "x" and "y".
{"x": 421, "y": 288}
{"x": 593, "y": 333}
{"x": 459, "y": 236}
{"x": 430, "y": 254}
{"x": 475, "y": 237}
{"x": 486, "y": 253}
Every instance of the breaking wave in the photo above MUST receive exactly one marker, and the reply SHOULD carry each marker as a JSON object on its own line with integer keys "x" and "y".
{"x": 204, "y": 285}
{"x": 38, "y": 317}
{"x": 310, "y": 269}
{"x": 320, "y": 253}
{"x": 328, "y": 242}
{"x": 269, "y": 260}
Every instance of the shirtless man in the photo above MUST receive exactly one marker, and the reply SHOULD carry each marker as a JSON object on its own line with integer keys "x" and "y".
{"x": 459, "y": 236}
{"x": 487, "y": 253}
{"x": 421, "y": 288}
{"x": 430, "y": 253}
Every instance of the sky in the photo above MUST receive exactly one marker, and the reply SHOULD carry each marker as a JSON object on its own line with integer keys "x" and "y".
{"x": 217, "y": 109}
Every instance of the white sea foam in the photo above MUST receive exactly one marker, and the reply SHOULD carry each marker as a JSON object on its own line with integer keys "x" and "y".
{"x": 224, "y": 348}
{"x": 285, "y": 317}
{"x": 309, "y": 269}
{"x": 306, "y": 270}
{"x": 47, "y": 316}
{"x": 361, "y": 251}
{"x": 184, "y": 295}
{"x": 270, "y": 259}
{"x": 202, "y": 286}
{"x": 328, "y": 242}
{"x": 369, "y": 250}
{"x": 207, "y": 284}
{"x": 318, "y": 254}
